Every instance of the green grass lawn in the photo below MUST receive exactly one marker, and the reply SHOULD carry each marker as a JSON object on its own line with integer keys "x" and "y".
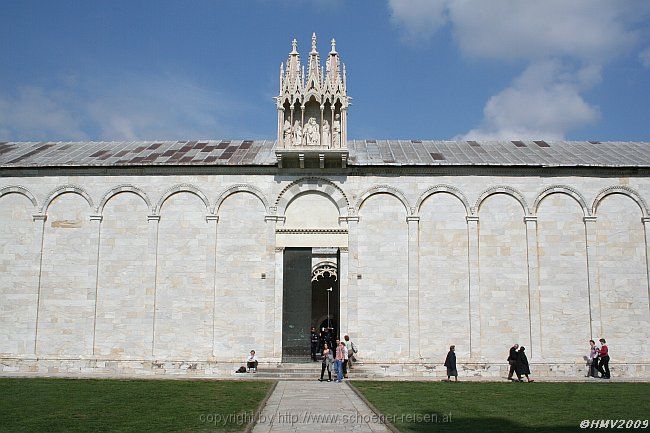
{"x": 80, "y": 405}
{"x": 507, "y": 407}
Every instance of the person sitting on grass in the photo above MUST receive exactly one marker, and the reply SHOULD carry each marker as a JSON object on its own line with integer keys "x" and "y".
{"x": 450, "y": 363}
{"x": 251, "y": 362}
{"x": 521, "y": 365}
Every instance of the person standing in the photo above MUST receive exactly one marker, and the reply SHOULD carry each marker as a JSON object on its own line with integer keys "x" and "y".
{"x": 593, "y": 359}
{"x": 328, "y": 339}
{"x": 338, "y": 361}
{"x": 346, "y": 359}
{"x": 325, "y": 338}
{"x": 313, "y": 338}
{"x": 450, "y": 363}
{"x": 351, "y": 351}
{"x": 327, "y": 363}
{"x": 512, "y": 360}
{"x": 522, "y": 366}
{"x": 603, "y": 365}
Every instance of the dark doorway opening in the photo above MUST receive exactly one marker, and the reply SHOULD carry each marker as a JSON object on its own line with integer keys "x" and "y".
{"x": 306, "y": 280}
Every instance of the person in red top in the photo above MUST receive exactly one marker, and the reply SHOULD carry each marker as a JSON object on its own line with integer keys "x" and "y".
{"x": 603, "y": 365}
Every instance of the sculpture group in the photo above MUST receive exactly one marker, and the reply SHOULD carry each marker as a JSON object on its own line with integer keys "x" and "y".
{"x": 312, "y": 107}
{"x": 312, "y": 134}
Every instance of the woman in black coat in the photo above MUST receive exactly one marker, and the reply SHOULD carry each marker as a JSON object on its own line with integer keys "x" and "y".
{"x": 521, "y": 365}
{"x": 450, "y": 363}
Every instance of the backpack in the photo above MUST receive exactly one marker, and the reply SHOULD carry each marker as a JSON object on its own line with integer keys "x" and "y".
{"x": 354, "y": 348}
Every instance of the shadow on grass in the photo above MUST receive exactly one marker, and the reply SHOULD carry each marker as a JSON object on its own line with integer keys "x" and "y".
{"x": 505, "y": 407}
{"x": 478, "y": 424}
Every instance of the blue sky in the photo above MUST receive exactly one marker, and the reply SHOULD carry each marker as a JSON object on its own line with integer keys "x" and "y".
{"x": 417, "y": 69}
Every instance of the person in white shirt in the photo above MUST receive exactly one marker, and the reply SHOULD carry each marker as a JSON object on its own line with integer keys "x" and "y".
{"x": 351, "y": 351}
{"x": 346, "y": 359}
{"x": 251, "y": 362}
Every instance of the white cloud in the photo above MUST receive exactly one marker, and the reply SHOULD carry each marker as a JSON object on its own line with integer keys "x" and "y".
{"x": 569, "y": 41}
{"x": 124, "y": 107}
{"x": 644, "y": 58}
{"x": 542, "y": 103}
{"x": 531, "y": 29}
{"x": 32, "y": 113}
{"x": 418, "y": 19}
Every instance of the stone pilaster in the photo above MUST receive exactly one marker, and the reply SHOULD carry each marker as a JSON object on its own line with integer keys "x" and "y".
{"x": 474, "y": 294}
{"x": 277, "y": 305}
{"x": 37, "y": 247}
{"x": 95, "y": 220}
{"x": 592, "y": 272}
{"x": 269, "y": 289}
{"x": 344, "y": 292}
{"x": 533, "y": 289}
{"x": 152, "y": 246}
{"x": 414, "y": 286}
{"x": 353, "y": 271}
{"x": 211, "y": 268}
{"x": 281, "y": 142}
{"x": 646, "y": 231}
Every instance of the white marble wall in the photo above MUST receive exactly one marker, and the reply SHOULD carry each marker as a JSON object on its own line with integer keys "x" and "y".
{"x": 622, "y": 277}
{"x": 68, "y": 279}
{"x": 19, "y": 258}
{"x": 184, "y": 300}
{"x": 171, "y": 268}
{"x": 125, "y": 280}
{"x": 563, "y": 279}
{"x": 382, "y": 291}
{"x": 444, "y": 276}
{"x": 241, "y": 261}
{"x": 503, "y": 277}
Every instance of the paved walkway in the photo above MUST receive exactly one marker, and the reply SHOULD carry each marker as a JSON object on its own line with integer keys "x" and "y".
{"x": 316, "y": 407}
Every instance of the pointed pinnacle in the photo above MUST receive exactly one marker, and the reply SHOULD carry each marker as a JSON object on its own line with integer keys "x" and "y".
{"x": 313, "y": 43}
{"x": 294, "y": 46}
{"x": 333, "y": 47}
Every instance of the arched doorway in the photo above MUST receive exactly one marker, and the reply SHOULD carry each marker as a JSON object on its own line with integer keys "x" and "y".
{"x": 325, "y": 301}
{"x": 310, "y": 299}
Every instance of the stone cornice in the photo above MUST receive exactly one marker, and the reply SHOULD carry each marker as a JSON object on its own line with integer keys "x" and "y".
{"x": 350, "y": 170}
{"x": 307, "y": 231}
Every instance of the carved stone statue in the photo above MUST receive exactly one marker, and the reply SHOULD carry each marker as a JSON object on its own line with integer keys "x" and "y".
{"x": 297, "y": 134}
{"x": 312, "y": 132}
{"x": 336, "y": 132}
{"x": 287, "y": 133}
{"x": 307, "y": 132}
{"x": 327, "y": 139}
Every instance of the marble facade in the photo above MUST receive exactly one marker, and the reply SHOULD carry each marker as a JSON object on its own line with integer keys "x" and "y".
{"x": 186, "y": 268}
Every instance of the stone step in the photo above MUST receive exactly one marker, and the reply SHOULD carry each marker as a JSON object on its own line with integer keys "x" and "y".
{"x": 296, "y": 376}
{"x": 311, "y": 370}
